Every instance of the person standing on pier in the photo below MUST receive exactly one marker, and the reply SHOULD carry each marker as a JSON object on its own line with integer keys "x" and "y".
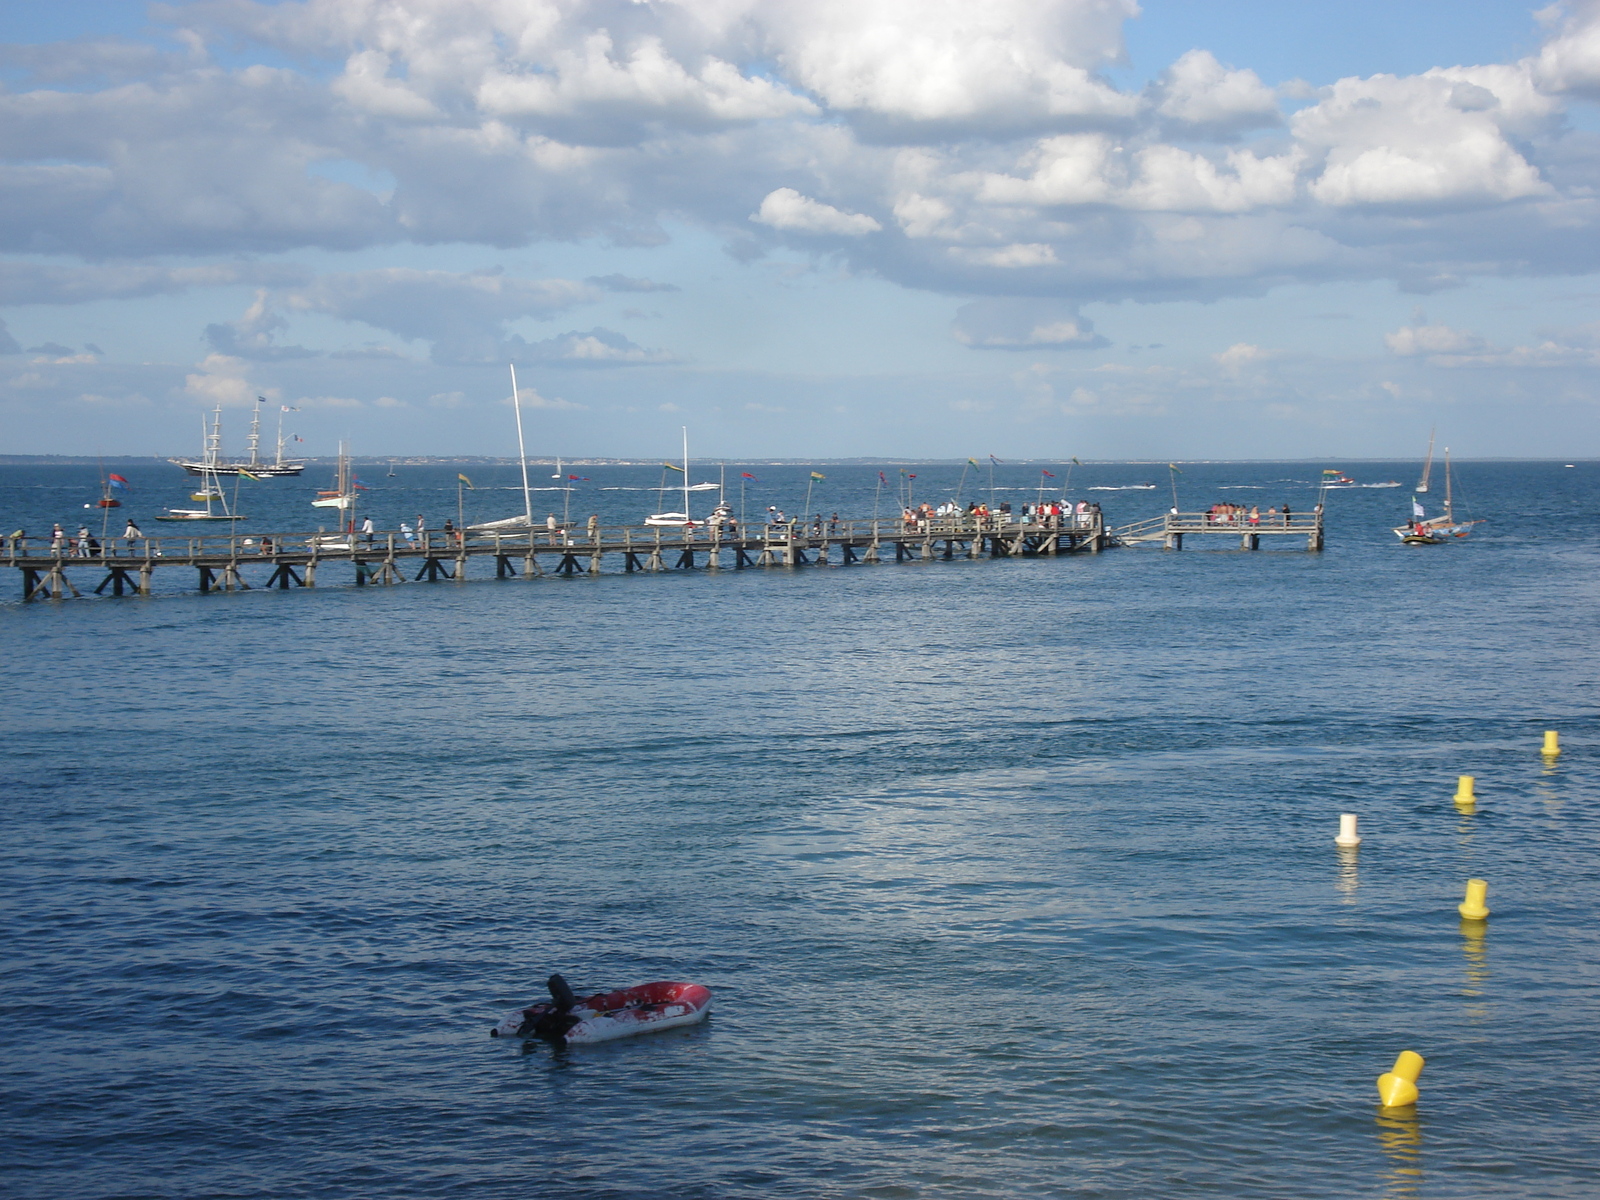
{"x": 422, "y": 531}
{"x": 58, "y": 537}
{"x": 550, "y": 527}
{"x": 1286, "y": 515}
{"x": 131, "y": 533}
{"x": 594, "y": 527}
{"x": 367, "y": 531}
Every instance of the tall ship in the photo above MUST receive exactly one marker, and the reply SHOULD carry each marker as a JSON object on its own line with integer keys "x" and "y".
{"x": 254, "y": 466}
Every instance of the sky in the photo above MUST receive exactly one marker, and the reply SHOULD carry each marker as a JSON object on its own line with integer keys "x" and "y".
{"x": 803, "y": 228}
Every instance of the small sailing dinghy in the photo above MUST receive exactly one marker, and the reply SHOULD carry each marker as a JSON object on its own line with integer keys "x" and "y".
{"x": 567, "y": 1020}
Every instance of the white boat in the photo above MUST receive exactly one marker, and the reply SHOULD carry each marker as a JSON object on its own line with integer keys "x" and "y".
{"x": 683, "y": 518}
{"x": 343, "y": 493}
{"x": 210, "y": 488}
{"x": 524, "y": 519}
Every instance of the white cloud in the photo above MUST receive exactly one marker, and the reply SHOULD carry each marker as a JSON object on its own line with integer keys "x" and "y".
{"x": 1199, "y": 91}
{"x": 1430, "y": 139}
{"x": 1412, "y": 340}
{"x": 1024, "y": 325}
{"x": 788, "y": 210}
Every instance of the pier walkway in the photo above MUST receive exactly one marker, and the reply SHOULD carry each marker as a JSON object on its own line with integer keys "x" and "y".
{"x": 234, "y": 562}
{"x": 1171, "y": 528}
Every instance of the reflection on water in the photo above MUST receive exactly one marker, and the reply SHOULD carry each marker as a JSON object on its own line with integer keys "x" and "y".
{"x": 1400, "y": 1139}
{"x": 1549, "y": 795}
{"x": 1474, "y": 949}
{"x": 1348, "y": 881}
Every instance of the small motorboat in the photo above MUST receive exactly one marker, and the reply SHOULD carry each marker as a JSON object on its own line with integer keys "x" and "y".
{"x": 609, "y": 1015}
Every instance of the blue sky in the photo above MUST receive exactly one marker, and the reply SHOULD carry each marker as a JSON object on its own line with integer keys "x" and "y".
{"x": 1082, "y": 227}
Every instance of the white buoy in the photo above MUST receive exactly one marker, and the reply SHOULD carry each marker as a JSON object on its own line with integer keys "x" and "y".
{"x": 1347, "y": 831}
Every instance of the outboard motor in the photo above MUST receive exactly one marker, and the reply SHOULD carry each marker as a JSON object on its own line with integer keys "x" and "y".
{"x": 552, "y": 1026}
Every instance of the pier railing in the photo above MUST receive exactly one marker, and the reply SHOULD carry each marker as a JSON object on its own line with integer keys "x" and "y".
{"x": 1171, "y": 528}
{"x": 221, "y": 558}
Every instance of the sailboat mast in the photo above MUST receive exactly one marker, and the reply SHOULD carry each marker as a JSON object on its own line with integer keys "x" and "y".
{"x": 255, "y": 432}
{"x": 214, "y": 439}
{"x": 522, "y": 451}
{"x": 685, "y": 474}
{"x": 1449, "y": 514}
{"x": 279, "y": 463}
{"x": 1427, "y": 467}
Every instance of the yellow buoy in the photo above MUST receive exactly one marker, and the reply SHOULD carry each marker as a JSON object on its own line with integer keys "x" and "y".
{"x": 1473, "y": 907}
{"x": 1552, "y": 743}
{"x": 1398, "y": 1088}
{"x": 1465, "y": 800}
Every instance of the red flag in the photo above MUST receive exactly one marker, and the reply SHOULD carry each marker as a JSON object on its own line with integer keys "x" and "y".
{"x": 1047, "y": 473}
{"x": 747, "y": 475}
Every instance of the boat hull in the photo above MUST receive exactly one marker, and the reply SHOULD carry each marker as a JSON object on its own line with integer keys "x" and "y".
{"x": 648, "y": 1008}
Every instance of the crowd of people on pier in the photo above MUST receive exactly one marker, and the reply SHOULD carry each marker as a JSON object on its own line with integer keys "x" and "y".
{"x": 1238, "y": 514}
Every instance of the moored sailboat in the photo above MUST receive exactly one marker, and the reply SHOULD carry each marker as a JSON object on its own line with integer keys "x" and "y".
{"x": 675, "y": 518}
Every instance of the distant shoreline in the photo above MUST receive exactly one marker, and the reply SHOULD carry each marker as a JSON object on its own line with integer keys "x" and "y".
{"x": 85, "y": 460}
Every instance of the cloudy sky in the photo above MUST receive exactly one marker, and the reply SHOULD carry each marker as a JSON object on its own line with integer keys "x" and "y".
{"x": 1032, "y": 228}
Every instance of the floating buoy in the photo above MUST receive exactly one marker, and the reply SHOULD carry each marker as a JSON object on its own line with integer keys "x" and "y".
{"x": 1347, "y": 831}
{"x": 1464, "y": 798}
{"x": 1473, "y": 907}
{"x": 1398, "y": 1088}
{"x": 1552, "y": 744}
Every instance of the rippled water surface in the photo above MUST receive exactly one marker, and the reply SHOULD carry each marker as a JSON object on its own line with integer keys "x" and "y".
{"x": 1011, "y": 878}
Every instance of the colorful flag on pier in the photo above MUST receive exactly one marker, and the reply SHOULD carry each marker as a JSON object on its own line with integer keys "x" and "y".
{"x": 993, "y": 459}
{"x": 818, "y": 475}
{"x": 1076, "y": 461}
{"x": 466, "y": 481}
{"x": 670, "y": 467}
{"x": 973, "y": 461}
{"x": 1046, "y": 474}
{"x": 247, "y": 475}
{"x": 882, "y": 478}
{"x": 747, "y": 475}
{"x": 1174, "y": 468}
{"x": 117, "y": 481}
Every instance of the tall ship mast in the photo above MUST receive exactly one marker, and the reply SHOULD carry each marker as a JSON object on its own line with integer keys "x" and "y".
{"x": 212, "y": 463}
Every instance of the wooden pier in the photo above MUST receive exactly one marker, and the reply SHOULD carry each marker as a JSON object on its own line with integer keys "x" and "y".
{"x": 1170, "y": 529}
{"x": 237, "y": 562}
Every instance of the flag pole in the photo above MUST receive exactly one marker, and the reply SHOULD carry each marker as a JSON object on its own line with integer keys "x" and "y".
{"x": 1173, "y": 469}
{"x": 991, "y": 483}
{"x": 809, "y": 484}
{"x": 963, "y": 481}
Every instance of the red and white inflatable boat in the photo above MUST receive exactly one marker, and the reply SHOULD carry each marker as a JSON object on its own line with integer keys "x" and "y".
{"x": 610, "y": 1015}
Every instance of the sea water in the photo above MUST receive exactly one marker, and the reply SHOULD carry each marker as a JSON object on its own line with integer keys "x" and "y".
{"x": 1011, "y": 878}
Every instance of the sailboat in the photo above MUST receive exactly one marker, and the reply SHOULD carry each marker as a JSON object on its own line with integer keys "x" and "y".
{"x": 210, "y": 485}
{"x": 676, "y": 518}
{"x": 343, "y": 493}
{"x": 212, "y": 463}
{"x": 1434, "y": 531}
{"x": 524, "y": 519}
{"x": 1427, "y": 467}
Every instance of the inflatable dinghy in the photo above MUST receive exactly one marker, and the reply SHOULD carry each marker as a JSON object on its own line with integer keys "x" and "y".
{"x": 610, "y": 1015}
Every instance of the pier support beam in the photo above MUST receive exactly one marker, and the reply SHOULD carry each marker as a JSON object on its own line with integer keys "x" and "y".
{"x": 52, "y": 584}
{"x": 433, "y": 568}
{"x": 120, "y": 581}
